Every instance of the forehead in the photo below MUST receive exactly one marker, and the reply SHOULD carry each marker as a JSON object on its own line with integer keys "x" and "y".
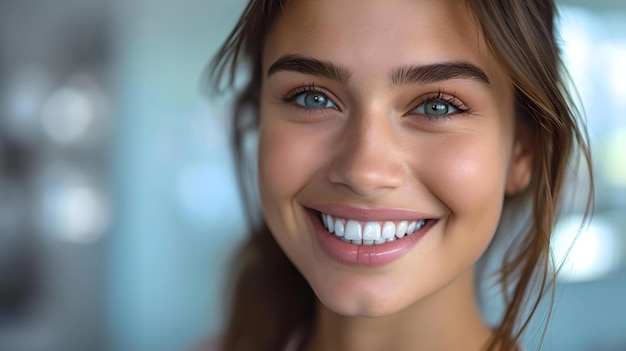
{"x": 374, "y": 36}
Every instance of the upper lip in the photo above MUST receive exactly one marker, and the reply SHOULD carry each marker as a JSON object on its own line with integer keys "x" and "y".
{"x": 366, "y": 213}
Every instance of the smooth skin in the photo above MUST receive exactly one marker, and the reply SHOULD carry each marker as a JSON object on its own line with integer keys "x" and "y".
{"x": 449, "y": 146}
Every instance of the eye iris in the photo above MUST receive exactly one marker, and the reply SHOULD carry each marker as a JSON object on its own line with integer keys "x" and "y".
{"x": 315, "y": 100}
{"x": 436, "y": 108}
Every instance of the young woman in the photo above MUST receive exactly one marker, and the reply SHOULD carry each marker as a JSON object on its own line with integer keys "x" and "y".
{"x": 393, "y": 136}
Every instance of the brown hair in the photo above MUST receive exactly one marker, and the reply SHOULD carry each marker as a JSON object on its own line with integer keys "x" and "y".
{"x": 270, "y": 296}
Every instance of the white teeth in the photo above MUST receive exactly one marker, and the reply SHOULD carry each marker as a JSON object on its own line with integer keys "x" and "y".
{"x": 411, "y": 228}
{"x": 371, "y": 231}
{"x": 420, "y": 224}
{"x": 401, "y": 229}
{"x": 331, "y": 224}
{"x": 339, "y": 228}
{"x": 353, "y": 230}
{"x": 389, "y": 230}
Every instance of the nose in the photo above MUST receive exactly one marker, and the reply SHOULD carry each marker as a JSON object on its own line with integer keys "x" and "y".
{"x": 368, "y": 160}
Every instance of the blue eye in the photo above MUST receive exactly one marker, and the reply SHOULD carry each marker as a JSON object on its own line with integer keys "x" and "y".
{"x": 313, "y": 99}
{"x": 435, "y": 108}
{"x": 440, "y": 105}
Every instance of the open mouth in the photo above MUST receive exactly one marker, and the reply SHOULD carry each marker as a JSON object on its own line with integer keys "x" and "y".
{"x": 370, "y": 232}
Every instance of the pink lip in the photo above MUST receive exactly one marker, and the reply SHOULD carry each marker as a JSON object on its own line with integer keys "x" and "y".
{"x": 364, "y": 255}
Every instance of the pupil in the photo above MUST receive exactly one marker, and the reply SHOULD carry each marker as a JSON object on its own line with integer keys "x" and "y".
{"x": 315, "y": 100}
{"x": 438, "y": 108}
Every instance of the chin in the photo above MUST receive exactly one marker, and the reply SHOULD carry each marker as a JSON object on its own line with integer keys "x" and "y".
{"x": 361, "y": 304}
{"x": 364, "y": 309}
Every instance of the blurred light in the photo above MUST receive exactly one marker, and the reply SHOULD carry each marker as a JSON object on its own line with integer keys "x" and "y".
{"x": 584, "y": 253}
{"x": 576, "y": 46}
{"x": 74, "y": 112}
{"x": 616, "y": 162}
{"x": 71, "y": 208}
{"x": 616, "y": 54}
{"x": 66, "y": 115}
{"x": 205, "y": 194}
{"x": 77, "y": 213}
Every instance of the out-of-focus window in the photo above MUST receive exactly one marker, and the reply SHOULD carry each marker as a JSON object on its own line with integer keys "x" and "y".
{"x": 594, "y": 47}
{"x": 588, "y": 311}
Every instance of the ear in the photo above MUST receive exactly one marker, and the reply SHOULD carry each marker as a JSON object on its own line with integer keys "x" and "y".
{"x": 522, "y": 158}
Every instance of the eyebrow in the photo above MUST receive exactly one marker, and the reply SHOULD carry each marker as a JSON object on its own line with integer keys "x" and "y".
{"x": 438, "y": 72}
{"x": 400, "y": 76}
{"x": 312, "y": 66}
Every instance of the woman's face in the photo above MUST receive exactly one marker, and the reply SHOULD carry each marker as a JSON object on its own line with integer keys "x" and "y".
{"x": 392, "y": 121}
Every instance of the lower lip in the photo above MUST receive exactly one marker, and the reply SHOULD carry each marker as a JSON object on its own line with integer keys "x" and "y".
{"x": 364, "y": 255}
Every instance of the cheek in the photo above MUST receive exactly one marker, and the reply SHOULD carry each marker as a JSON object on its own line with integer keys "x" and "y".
{"x": 289, "y": 159}
{"x": 286, "y": 160}
{"x": 474, "y": 171}
{"x": 468, "y": 176}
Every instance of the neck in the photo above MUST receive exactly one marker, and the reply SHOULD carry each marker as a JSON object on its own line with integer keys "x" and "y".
{"x": 445, "y": 320}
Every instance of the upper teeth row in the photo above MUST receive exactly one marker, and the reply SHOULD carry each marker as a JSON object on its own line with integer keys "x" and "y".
{"x": 370, "y": 233}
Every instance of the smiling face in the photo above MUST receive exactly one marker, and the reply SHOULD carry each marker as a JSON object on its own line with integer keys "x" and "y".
{"x": 392, "y": 121}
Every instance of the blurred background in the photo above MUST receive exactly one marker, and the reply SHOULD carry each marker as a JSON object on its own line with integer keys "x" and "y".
{"x": 118, "y": 206}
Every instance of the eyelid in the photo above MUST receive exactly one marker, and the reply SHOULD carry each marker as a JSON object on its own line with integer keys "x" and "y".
{"x": 305, "y": 89}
